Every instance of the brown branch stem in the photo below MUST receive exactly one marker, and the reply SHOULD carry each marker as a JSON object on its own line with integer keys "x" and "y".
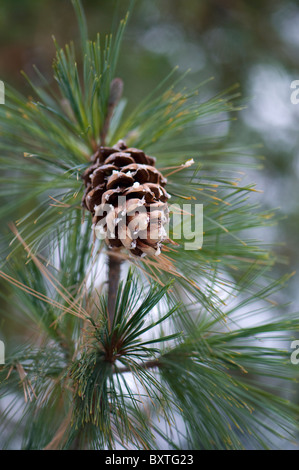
{"x": 114, "y": 266}
{"x": 116, "y": 89}
{"x": 144, "y": 365}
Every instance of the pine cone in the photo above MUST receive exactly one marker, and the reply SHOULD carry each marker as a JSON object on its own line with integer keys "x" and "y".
{"x": 126, "y": 196}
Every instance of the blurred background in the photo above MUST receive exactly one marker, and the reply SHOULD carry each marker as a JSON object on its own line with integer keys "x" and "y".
{"x": 252, "y": 42}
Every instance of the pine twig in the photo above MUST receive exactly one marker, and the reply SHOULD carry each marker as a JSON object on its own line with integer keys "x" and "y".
{"x": 116, "y": 89}
{"x": 145, "y": 365}
{"x": 114, "y": 266}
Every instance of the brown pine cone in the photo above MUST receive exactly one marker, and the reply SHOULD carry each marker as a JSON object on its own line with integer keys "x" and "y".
{"x": 126, "y": 196}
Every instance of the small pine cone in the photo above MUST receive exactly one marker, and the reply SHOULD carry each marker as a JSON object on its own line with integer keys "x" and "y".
{"x": 126, "y": 196}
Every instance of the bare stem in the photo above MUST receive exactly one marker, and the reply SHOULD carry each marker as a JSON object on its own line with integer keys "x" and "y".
{"x": 114, "y": 265}
{"x": 116, "y": 90}
{"x": 145, "y": 365}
